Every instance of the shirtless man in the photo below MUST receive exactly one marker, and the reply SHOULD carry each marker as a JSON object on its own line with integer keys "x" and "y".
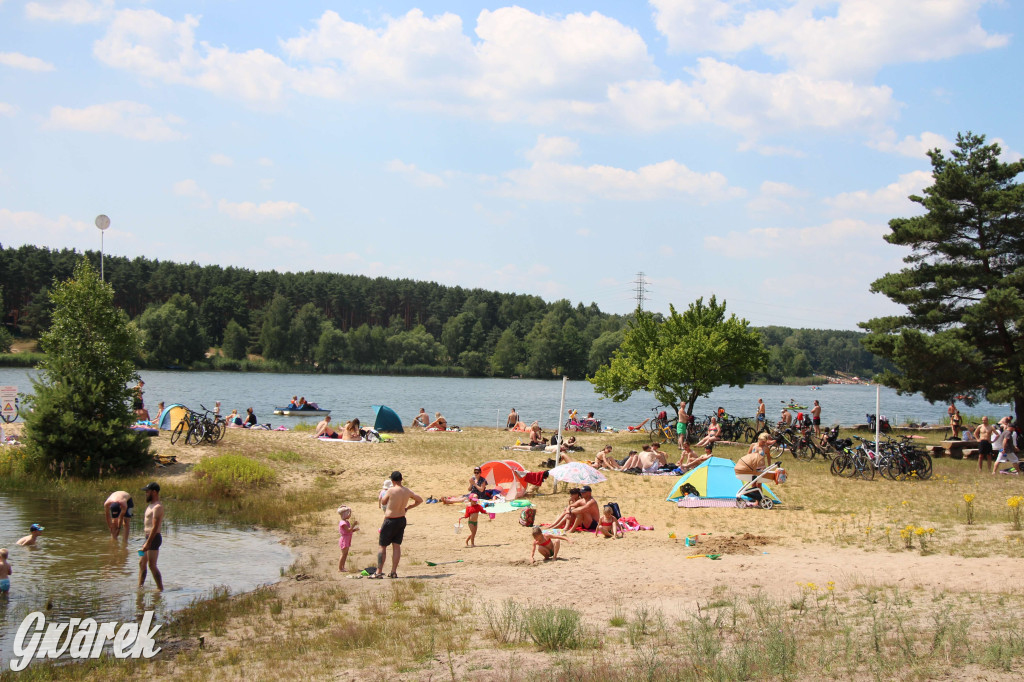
{"x": 585, "y": 512}
{"x": 984, "y": 434}
{"x": 422, "y": 419}
{"x": 760, "y": 412}
{"x": 392, "y": 532}
{"x": 118, "y": 509}
{"x": 681, "y": 423}
{"x": 513, "y": 419}
{"x": 816, "y": 418}
{"x": 154, "y": 523}
{"x": 787, "y": 418}
{"x": 30, "y": 540}
{"x": 324, "y": 430}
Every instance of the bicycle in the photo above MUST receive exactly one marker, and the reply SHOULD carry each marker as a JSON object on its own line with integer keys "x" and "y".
{"x": 806, "y": 449}
{"x": 661, "y": 427}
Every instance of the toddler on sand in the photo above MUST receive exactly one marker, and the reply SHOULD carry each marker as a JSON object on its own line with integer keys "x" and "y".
{"x": 609, "y": 525}
{"x": 473, "y": 511}
{"x": 547, "y": 545}
{"x": 5, "y": 573}
{"x": 346, "y": 527}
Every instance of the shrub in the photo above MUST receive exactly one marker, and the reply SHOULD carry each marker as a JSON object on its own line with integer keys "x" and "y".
{"x": 228, "y": 475}
{"x": 553, "y": 629}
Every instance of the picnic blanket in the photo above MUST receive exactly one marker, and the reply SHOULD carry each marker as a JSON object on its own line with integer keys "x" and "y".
{"x": 504, "y": 506}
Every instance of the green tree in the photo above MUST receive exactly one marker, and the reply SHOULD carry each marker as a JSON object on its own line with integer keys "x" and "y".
{"x": 274, "y": 336}
{"x": 963, "y": 330}
{"x": 171, "y": 332}
{"x": 684, "y": 357}
{"x": 331, "y": 346}
{"x": 77, "y": 424}
{"x": 305, "y": 333}
{"x": 236, "y": 341}
{"x": 602, "y": 348}
{"x": 508, "y": 353}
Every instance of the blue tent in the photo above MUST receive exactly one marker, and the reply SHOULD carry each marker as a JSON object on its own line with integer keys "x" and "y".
{"x": 386, "y": 420}
{"x": 714, "y": 479}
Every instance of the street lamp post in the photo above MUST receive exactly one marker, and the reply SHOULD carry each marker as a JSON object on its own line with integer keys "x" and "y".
{"x": 102, "y": 222}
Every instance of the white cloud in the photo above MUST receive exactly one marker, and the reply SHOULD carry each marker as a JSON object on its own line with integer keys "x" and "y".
{"x": 128, "y": 119}
{"x": 16, "y": 60}
{"x": 773, "y": 197}
{"x": 221, "y": 160}
{"x": 73, "y": 11}
{"x": 267, "y": 184}
{"x": 190, "y": 188}
{"x": 419, "y": 178}
{"x": 761, "y": 241}
{"x": 916, "y": 147}
{"x": 268, "y": 210}
{"x": 7, "y": 109}
{"x": 265, "y": 162}
{"x": 842, "y": 39}
{"x": 889, "y": 200}
{"x": 281, "y": 241}
{"x": 552, "y": 180}
{"x": 549, "y": 148}
{"x": 37, "y": 228}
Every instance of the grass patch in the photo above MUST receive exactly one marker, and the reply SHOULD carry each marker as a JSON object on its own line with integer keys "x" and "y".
{"x": 229, "y": 475}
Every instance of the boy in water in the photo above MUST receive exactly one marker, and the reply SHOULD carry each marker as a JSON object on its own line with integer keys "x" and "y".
{"x": 5, "y": 573}
{"x": 33, "y": 532}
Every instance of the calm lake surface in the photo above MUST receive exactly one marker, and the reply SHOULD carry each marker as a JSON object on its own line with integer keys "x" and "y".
{"x": 486, "y": 402}
{"x": 78, "y": 569}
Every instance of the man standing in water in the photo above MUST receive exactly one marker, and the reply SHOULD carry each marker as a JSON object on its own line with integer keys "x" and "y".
{"x": 118, "y": 508}
{"x": 154, "y": 521}
{"x": 392, "y": 532}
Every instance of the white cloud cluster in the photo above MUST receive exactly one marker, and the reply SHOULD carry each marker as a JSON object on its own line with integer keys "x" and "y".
{"x": 774, "y": 197}
{"x": 268, "y": 210}
{"x": 128, "y": 119}
{"x": 828, "y": 39}
{"x": 913, "y": 146}
{"x": 38, "y": 228}
{"x": 763, "y": 241}
{"x": 222, "y": 160}
{"x": 551, "y": 180}
{"x": 72, "y": 11}
{"x": 578, "y": 70}
{"x": 16, "y": 60}
{"x": 890, "y": 200}
{"x": 7, "y": 109}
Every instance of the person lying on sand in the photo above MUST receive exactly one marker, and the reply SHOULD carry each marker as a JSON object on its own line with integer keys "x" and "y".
{"x": 547, "y": 545}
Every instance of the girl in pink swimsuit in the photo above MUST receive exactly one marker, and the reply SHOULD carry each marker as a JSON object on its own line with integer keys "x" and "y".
{"x": 346, "y": 527}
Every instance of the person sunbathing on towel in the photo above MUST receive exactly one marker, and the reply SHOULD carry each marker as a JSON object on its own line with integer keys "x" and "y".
{"x": 324, "y": 430}
{"x": 439, "y": 423}
{"x": 350, "y": 431}
{"x": 603, "y": 459}
{"x": 647, "y": 461}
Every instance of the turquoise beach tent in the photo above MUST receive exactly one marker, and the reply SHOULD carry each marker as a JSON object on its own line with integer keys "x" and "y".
{"x": 171, "y": 415}
{"x": 714, "y": 479}
{"x": 386, "y": 420}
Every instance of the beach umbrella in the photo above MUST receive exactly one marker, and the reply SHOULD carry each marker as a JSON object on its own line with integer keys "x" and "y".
{"x": 577, "y": 472}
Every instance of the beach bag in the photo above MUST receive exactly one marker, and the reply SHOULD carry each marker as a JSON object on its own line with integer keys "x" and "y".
{"x": 615, "y": 509}
{"x": 527, "y": 517}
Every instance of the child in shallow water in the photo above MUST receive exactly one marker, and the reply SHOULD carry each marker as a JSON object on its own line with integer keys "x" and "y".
{"x": 608, "y": 526}
{"x": 346, "y": 527}
{"x": 5, "y": 573}
{"x": 547, "y": 545}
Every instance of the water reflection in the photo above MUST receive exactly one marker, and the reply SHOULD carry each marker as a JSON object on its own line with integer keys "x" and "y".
{"x": 77, "y": 570}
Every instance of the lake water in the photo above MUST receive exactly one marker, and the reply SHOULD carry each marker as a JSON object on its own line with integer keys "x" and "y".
{"x": 486, "y": 402}
{"x": 82, "y": 573}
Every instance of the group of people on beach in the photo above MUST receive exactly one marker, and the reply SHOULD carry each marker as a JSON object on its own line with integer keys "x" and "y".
{"x": 422, "y": 419}
{"x": 997, "y": 443}
{"x": 118, "y": 510}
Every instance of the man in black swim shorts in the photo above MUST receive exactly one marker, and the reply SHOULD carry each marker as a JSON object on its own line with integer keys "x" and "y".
{"x": 585, "y": 512}
{"x": 154, "y": 522}
{"x": 396, "y": 503}
{"x": 118, "y": 509}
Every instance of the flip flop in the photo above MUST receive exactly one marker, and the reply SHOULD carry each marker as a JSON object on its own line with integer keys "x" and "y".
{"x": 392, "y": 574}
{"x": 442, "y": 563}
{"x": 377, "y": 576}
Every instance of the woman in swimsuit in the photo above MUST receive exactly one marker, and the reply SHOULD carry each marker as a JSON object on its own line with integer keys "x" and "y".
{"x": 608, "y": 526}
{"x": 351, "y": 431}
{"x": 713, "y": 430}
{"x": 547, "y": 545}
{"x": 478, "y": 484}
{"x": 536, "y": 438}
{"x": 439, "y": 423}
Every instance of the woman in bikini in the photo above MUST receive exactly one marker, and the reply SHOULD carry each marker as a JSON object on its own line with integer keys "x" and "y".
{"x": 351, "y": 431}
{"x": 439, "y": 423}
{"x": 547, "y": 545}
{"x": 713, "y": 430}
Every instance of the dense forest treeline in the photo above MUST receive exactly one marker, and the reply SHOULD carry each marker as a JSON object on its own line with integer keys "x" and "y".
{"x": 327, "y": 322}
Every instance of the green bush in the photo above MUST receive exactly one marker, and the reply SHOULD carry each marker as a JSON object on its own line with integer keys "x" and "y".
{"x": 228, "y": 475}
{"x": 553, "y": 629}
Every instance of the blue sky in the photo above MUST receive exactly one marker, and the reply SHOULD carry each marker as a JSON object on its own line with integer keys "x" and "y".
{"x": 752, "y": 150}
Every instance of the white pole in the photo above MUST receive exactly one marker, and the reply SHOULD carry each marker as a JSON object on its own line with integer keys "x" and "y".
{"x": 878, "y": 414}
{"x": 558, "y": 448}
{"x": 101, "y": 256}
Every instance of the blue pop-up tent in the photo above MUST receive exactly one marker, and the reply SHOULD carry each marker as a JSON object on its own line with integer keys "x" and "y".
{"x": 386, "y": 420}
{"x": 715, "y": 479}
